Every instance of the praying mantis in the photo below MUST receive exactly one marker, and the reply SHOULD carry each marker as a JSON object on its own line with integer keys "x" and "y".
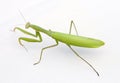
{"x": 68, "y": 39}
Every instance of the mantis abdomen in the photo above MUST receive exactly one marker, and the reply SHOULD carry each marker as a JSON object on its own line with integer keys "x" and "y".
{"x": 77, "y": 40}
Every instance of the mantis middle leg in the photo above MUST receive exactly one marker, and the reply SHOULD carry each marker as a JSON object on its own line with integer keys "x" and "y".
{"x": 44, "y": 49}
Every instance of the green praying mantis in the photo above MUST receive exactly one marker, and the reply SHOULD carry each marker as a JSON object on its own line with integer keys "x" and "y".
{"x": 68, "y": 39}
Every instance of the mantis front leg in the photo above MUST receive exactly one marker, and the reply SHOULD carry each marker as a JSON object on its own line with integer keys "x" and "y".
{"x": 37, "y": 34}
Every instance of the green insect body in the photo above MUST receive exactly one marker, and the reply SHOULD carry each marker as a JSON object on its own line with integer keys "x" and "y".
{"x": 77, "y": 40}
{"x": 68, "y": 39}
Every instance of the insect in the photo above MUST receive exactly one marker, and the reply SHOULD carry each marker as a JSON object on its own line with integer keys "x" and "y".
{"x": 68, "y": 39}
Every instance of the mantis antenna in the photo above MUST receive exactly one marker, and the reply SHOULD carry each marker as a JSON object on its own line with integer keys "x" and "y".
{"x": 22, "y": 15}
{"x": 25, "y": 22}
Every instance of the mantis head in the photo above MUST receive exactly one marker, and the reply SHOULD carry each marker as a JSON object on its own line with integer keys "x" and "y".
{"x": 27, "y": 25}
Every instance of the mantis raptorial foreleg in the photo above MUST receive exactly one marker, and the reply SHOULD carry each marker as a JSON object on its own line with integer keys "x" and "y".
{"x": 83, "y": 59}
{"x": 37, "y": 34}
{"x": 44, "y": 49}
{"x": 72, "y": 23}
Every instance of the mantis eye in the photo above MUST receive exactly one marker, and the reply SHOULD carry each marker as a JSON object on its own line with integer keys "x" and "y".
{"x": 27, "y": 25}
{"x": 49, "y": 29}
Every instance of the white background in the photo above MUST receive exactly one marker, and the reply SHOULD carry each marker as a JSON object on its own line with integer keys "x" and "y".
{"x": 93, "y": 18}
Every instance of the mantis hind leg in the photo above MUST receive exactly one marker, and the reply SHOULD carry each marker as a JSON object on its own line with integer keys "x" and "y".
{"x": 83, "y": 59}
{"x": 73, "y": 24}
{"x": 44, "y": 49}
